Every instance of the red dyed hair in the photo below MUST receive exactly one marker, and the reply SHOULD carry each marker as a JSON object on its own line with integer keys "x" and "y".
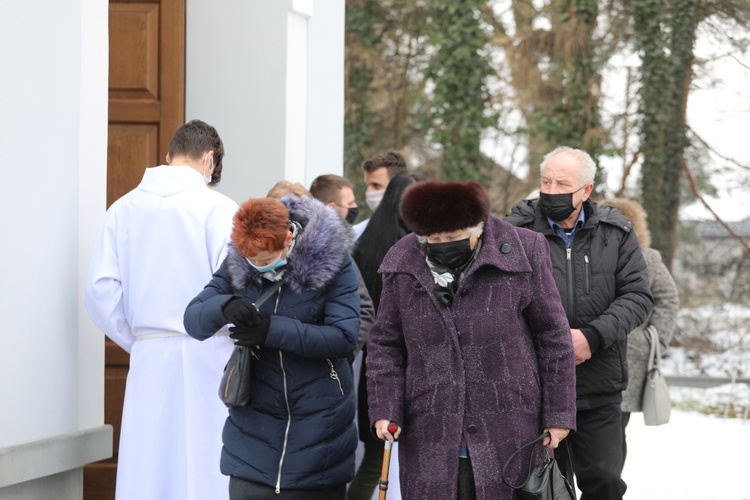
{"x": 260, "y": 225}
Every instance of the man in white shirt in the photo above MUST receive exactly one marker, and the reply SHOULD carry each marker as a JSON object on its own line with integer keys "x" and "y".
{"x": 379, "y": 170}
{"x": 155, "y": 250}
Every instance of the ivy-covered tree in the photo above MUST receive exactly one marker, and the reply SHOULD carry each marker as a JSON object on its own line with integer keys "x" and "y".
{"x": 460, "y": 101}
{"x": 572, "y": 118}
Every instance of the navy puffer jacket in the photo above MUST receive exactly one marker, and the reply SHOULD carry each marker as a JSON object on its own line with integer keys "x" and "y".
{"x": 298, "y": 430}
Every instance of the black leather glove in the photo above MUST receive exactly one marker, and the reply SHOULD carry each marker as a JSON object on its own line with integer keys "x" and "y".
{"x": 251, "y": 335}
{"x": 240, "y": 312}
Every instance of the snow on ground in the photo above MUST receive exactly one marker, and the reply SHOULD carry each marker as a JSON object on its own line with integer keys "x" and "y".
{"x": 693, "y": 457}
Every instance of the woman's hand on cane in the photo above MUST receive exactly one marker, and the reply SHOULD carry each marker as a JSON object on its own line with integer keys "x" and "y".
{"x": 387, "y": 431}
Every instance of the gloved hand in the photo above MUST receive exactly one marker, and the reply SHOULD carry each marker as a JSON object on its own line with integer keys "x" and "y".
{"x": 241, "y": 312}
{"x": 251, "y": 335}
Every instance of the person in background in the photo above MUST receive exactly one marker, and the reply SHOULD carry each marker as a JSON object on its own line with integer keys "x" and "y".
{"x": 282, "y": 188}
{"x": 155, "y": 249}
{"x": 296, "y": 438}
{"x": 663, "y": 317}
{"x": 386, "y": 227}
{"x": 603, "y": 282}
{"x": 470, "y": 353}
{"x": 379, "y": 170}
{"x": 336, "y": 192}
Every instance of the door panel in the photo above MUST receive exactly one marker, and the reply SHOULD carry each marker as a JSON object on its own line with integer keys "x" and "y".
{"x": 129, "y": 145}
{"x": 146, "y": 105}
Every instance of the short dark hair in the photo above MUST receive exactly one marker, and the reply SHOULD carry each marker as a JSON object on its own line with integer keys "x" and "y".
{"x": 195, "y": 137}
{"x": 327, "y": 188}
{"x": 391, "y": 160}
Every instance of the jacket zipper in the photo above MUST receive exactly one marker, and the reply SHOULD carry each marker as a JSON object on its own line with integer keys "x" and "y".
{"x": 335, "y": 376}
{"x": 586, "y": 275}
{"x": 571, "y": 301}
{"x": 288, "y": 423}
{"x": 288, "y": 409}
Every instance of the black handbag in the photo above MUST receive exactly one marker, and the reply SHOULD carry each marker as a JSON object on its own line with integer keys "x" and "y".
{"x": 544, "y": 482}
{"x": 235, "y": 389}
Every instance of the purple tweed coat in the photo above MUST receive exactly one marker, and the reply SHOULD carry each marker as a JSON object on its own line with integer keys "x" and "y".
{"x": 508, "y": 374}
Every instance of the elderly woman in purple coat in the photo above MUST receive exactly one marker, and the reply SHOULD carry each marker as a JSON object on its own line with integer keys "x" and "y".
{"x": 471, "y": 354}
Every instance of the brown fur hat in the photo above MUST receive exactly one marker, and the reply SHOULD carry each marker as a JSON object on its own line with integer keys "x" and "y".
{"x": 441, "y": 206}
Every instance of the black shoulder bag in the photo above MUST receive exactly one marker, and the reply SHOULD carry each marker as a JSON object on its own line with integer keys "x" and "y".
{"x": 235, "y": 388}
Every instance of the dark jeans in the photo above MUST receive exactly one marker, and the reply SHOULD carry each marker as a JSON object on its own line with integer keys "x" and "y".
{"x": 239, "y": 489}
{"x": 596, "y": 448}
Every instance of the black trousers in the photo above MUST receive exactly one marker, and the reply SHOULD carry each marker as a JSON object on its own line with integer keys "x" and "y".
{"x": 239, "y": 489}
{"x": 596, "y": 449}
{"x": 625, "y": 421}
{"x": 466, "y": 488}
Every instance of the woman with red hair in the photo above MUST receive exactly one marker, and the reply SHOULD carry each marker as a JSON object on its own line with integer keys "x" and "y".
{"x": 296, "y": 437}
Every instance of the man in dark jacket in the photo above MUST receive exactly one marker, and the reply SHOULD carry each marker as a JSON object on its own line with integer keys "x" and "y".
{"x": 603, "y": 283}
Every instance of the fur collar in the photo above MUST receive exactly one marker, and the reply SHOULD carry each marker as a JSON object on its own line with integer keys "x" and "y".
{"x": 320, "y": 249}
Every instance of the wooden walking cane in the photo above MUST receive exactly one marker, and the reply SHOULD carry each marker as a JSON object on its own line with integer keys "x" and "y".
{"x": 383, "y": 483}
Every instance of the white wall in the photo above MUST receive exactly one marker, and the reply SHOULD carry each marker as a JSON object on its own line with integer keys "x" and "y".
{"x": 325, "y": 99}
{"x": 271, "y": 80}
{"x": 53, "y": 104}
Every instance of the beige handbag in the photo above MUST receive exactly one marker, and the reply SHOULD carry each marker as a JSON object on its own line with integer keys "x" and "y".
{"x": 656, "y": 403}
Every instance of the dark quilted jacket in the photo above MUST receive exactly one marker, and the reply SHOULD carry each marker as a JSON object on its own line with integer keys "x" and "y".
{"x": 603, "y": 284}
{"x": 298, "y": 431}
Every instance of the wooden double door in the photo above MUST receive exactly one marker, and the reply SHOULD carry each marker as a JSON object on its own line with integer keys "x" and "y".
{"x": 146, "y": 105}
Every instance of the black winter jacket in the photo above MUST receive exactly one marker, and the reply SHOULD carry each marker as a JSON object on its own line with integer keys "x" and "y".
{"x": 603, "y": 284}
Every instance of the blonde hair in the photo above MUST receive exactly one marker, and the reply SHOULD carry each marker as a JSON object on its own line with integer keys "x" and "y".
{"x": 282, "y": 188}
{"x": 637, "y": 215}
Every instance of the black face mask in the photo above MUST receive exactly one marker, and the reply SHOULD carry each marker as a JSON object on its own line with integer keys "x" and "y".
{"x": 451, "y": 254}
{"x": 352, "y": 214}
{"x": 557, "y": 207}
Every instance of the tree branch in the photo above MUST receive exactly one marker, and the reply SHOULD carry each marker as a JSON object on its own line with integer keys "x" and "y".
{"x": 708, "y": 146}
{"x": 626, "y": 173}
{"x": 694, "y": 188}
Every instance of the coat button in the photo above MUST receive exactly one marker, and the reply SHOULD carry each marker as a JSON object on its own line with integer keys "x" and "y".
{"x": 473, "y": 429}
{"x": 505, "y": 248}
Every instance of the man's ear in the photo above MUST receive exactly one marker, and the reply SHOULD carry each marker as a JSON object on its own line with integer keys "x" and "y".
{"x": 168, "y": 158}
{"x": 587, "y": 190}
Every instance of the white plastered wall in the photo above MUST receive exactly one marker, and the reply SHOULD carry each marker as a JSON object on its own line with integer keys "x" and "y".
{"x": 271, "y": 80}
{"x": 53, "y": 104}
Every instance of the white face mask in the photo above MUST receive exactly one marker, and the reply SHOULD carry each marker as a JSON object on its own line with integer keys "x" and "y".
{"x": 373, "y": 198}
{"x": 210, "y": 172}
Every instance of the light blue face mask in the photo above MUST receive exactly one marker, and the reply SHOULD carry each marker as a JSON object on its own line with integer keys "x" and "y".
{"x": 277, "y": 263}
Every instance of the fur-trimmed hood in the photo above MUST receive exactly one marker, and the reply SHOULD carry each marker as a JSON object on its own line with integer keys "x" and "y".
{"x": 320, "y": 250}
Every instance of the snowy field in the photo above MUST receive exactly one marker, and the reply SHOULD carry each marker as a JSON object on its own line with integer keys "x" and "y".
{"x": 693, "y": 457}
